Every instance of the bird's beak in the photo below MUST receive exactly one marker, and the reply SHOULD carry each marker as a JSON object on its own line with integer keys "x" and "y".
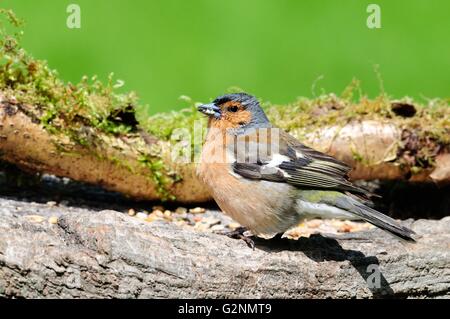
{"x": 210, "y": 109}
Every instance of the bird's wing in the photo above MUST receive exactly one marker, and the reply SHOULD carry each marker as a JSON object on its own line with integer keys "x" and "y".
{"x": 291, "y": 162}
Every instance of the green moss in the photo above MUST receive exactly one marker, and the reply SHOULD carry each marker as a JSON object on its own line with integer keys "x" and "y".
{"x": 357, "y": 156}
{"x": 62, "y": 106}
{"x": 81, "y": 112}
{"x": 163, "y": 125}
{"x": 156, "y": 167}
{"x": 430, "y": 126}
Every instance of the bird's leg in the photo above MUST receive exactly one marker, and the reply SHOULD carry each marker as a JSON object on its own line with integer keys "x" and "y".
{"x": 239, "y": 233}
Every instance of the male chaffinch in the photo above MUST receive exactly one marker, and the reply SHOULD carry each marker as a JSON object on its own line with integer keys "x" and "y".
{"x": 268, "y": 181}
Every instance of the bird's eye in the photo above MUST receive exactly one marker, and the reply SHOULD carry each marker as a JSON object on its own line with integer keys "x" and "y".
{"x": 233, "y": 109}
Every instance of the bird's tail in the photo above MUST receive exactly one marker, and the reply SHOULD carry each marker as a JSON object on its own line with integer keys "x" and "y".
{"x": 374, "y": 217}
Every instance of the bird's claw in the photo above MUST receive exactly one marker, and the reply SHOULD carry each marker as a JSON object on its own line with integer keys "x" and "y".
{"x": 239, "y": 233}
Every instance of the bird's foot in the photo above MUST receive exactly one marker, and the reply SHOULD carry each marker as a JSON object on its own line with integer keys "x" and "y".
{"x": 239, "y": 233}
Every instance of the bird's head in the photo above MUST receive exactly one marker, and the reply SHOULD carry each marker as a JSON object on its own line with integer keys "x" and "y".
{"x": 235, "y": 111}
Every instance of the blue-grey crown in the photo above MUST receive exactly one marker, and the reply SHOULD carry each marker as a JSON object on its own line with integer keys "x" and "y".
{"x": 249, "y": 102}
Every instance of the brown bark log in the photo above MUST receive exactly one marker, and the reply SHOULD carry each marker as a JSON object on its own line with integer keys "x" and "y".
{"x": 28, "y": 145}
{"x": 371, "y": 148}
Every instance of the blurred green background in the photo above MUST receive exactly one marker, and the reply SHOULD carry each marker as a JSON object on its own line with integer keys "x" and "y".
{"x": 276, "y": 49}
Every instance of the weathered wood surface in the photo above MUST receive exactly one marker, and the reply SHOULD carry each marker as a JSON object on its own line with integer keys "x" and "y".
{"x": 109, "y": 254}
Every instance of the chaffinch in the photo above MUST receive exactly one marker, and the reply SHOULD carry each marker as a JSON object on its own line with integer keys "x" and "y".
{"x": 268, "y": 181}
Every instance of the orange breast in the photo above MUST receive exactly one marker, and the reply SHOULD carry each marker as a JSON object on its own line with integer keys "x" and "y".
{"x": 264, "y": 207}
